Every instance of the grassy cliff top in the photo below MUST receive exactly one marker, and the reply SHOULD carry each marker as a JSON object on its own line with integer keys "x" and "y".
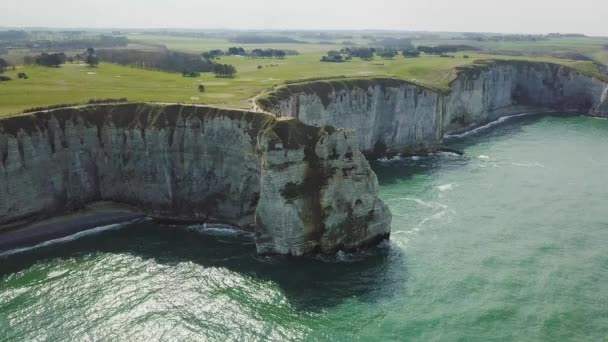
{"x": 323, "y": 88}
{"x": 480, "y": 65}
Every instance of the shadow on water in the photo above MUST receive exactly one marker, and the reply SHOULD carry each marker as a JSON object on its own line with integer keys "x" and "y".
{"x": 309, "y": 284}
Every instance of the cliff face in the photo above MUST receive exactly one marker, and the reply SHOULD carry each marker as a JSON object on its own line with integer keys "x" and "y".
{"x": 384, "y": 113}
{"x": 391, "y": 115}
{"x": 283, "y": 179}
{"x": 487, "y": 92}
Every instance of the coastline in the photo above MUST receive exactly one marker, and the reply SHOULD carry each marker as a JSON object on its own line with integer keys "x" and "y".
{"x": 95, "y": 215}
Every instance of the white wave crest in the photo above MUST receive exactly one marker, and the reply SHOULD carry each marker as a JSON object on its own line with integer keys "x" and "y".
{"x": 219, "y": 230}
{"x": 486, "y": 126}
{"x": 421, "y": 224}
{"x": 445, "y": 187}
{"x": 432, "y": 205}
{"x": 69, "y": 238}
{"x": 536, "y": 164}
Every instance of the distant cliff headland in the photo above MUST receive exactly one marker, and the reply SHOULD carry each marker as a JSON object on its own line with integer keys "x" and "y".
{"x": 393, "y": 115}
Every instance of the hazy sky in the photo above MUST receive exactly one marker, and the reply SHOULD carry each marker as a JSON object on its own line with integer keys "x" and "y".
{"x": 530, "y": 16}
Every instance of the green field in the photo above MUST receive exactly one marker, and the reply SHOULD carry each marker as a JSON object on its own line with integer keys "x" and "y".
{"x": 77, "y": 83}
{"x": 580, "y": 45}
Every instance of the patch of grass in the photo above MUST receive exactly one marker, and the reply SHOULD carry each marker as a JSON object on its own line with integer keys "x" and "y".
{"x": 74, "y": 83}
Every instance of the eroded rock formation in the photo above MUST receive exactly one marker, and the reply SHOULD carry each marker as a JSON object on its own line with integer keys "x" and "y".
{"x": 302, "y": 189}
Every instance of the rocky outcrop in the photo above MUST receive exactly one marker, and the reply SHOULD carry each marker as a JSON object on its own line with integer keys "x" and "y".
{"x": 398, "y": 116}
{"x": 302, "y": 189}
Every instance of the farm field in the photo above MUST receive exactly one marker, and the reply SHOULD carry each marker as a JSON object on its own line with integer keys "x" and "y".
{"x": 78, "y": 83}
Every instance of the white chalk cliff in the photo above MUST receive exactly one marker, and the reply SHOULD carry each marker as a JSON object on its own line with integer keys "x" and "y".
{"x": 302, "y": 189}
{"x": 393, "y": 115}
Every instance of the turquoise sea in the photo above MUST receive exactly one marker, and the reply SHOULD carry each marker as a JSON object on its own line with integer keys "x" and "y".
{"x": 508, "y": 242}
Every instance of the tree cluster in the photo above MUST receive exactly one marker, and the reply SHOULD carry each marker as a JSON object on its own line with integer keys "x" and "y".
{"x": 91, "y": 57}
{"x": 388, "y": 53}
{"x": 52, "y": 60}
{"x": 236, "y": 51}
{"x": 3, "y": 65}
{"x": 224, "y": 70}
{"x": 411, "y": 53}
{"x": 363, "y": 53}
{"x": 213, "y": 54}
{"x": 335, "y": 57}
{"x": 437, "y": 50}
{"x": 255, "y": 53}
{"x": 268, "y": 53}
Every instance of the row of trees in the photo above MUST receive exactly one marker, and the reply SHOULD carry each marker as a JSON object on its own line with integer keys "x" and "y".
{"x": 438, "y": 50}
{"x": 188, "y": 64}
{"x": 236, "y": 51}
{"x": 51, "y": 60}
{"x": 363, "y": 53}
{"x": 163, "y": 59}
{"x": 255, "y": 53}
{"x": 367, "y": 54}
{"x": 268, "y": 53}
{"x": 213, "y": 54}
{"x": 411, "y": 53}
{"x": 388, "y": 53}
{"x": 4, "y": 65}
{"x": 54, "y": 60}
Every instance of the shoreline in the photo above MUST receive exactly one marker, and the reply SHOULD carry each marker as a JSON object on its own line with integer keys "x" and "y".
{"x": 95, "y": 215}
